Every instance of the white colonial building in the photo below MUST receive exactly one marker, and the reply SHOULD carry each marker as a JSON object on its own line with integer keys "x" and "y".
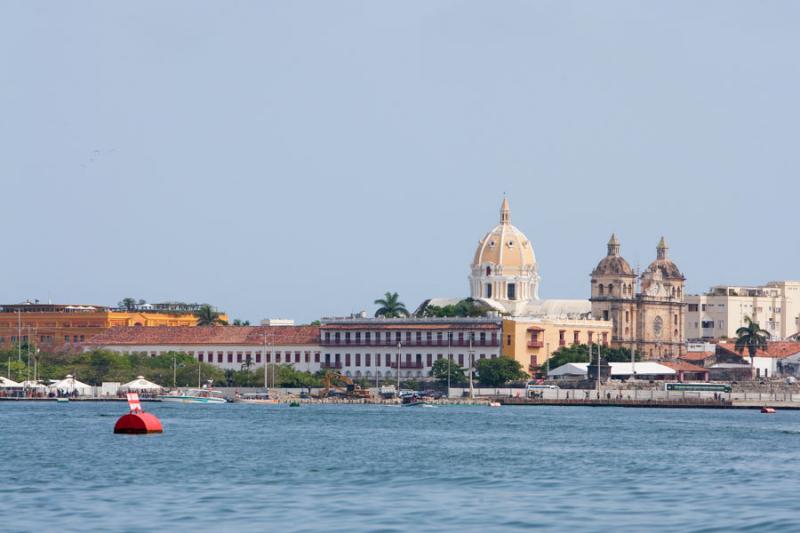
{"x": 721, "y": 311}
{"x": 356, "y": 347}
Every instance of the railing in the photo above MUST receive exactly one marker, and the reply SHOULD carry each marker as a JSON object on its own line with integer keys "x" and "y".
{"x": 423, "y": 342}
{"x": 331, "y": 365}
{"x": 535, "y": 344}
{"x": 407, "y": 365}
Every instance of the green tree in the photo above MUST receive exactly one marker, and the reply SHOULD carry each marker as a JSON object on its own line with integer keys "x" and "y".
{"x": 390, "y": 306}
{"x": 440, "y": 370}
{"x": 751, "y": 337}
{"x": 498, "y": 371}
{"x": 465, "y": 308}
{"x": 128, "y": 304}
{"x": 239, "y": 322}
{"x": 207, "y": 316}
{"x": 579, "y": 353}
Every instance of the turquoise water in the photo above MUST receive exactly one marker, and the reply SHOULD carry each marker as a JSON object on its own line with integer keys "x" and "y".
{"x": 255, "y": 468}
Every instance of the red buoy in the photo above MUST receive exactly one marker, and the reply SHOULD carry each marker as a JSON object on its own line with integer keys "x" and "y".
{"x": 137, "y": 422}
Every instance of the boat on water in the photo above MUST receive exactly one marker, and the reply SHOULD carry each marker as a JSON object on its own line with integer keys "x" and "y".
{"x": 415, "y": 401}
{"x": 194, "y": 396}
{"x": 258, "y": 398}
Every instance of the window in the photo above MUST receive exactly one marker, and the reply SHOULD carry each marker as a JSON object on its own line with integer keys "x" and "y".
{"x": 561, "y": 340}
{"x": 308, "y": 357}
{"x": 605, "y": 314}
{"x": 461, "y": 359}
{"x": 200, "y": 356}
{"x": 430, "y": 360}
{"x": 508, "y": 340}
{"x": 692, "y": 308}
{"x": 576, "y": 337}
{"x": 627, "y": 316}
{"x": 708, "y": 324}
{"x": 258, "y": 357}
{"x": 367, "y": 361}
{"x": 277, "y": 357}
{"x": 488, "y": 290}
{"x": 512, "y": 291}
{"x": 239, "y": 357}
{"x": 219, "y": 357}
{"x": 230, "y": 357}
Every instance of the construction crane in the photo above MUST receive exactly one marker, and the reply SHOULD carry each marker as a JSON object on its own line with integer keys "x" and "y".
{"x": 335, "y": 382}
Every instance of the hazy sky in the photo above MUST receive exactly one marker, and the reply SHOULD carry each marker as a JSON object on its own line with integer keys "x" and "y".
{"x": 299, "y": 158}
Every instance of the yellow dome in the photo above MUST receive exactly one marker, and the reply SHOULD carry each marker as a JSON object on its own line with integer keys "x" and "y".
{"x": 505, "y": 247}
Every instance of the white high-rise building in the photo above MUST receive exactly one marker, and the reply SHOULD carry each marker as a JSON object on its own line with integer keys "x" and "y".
{"x": 721, "y": 311}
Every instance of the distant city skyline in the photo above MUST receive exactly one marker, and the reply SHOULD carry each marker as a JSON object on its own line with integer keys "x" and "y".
{"x": 283, "y": 160}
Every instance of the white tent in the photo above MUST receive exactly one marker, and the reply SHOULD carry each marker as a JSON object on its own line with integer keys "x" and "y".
{"x": 142, "y": 385}
{"x": 69, "y": 385}
{"x": 641, "y": 368}
{"x": 34, "y": 385}
{"x": 6, "y": 383}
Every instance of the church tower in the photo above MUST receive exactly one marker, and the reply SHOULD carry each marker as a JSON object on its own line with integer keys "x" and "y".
{"x": 614, "y": 295}
{"x": 662, "y": 307}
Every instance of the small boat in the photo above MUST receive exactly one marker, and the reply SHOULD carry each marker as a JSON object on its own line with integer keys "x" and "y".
{"x": 494, "y": 404}
{"x": 768, "y": 410}
{"x": 62, "y": 400}
{"x": 414, "y": 401}
{"x": 194, "y": 396}
{"x": 259, "y": 398}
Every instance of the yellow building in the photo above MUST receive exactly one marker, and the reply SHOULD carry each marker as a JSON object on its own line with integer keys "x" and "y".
{"x": 52, "y": 327}
{"x": 532, "y": 341}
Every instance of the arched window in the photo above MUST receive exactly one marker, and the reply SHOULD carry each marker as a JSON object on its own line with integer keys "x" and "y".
{"x": 488, "y": 271}
{"x": 610, "y": 289}
{"x": 488, "y": 290}
{"x": 600, "y": 289}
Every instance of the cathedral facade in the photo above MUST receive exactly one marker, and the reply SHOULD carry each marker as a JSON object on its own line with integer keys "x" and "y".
{"x": 647, "y": 310}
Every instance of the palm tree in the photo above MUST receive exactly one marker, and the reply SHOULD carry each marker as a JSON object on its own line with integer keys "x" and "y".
{"x": 207, "y": 316}
{"x": 751, "y": 337}
{"x": 391, "y": 306}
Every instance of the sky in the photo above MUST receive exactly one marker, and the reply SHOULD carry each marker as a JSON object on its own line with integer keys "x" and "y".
{"x": 298, "y": 159}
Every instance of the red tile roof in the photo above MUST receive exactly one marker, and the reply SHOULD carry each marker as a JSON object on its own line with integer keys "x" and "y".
{"x": 696, "y": 356}
{"x": 166, "y": 335}
{"x": 413, "y": 326}
{"x": 683, "y": 366}
{"x": 778, "y": 349}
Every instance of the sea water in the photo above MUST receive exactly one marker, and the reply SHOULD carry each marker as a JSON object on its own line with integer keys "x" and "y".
{"x": 241, "y": 467}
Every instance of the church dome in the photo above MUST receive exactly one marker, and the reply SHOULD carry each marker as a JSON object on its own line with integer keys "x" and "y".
{"x": 504, "y": 267}
{"x": 613, "y": 264}
{"x": 505, "y": 247}
{"x": 663, "y": 264}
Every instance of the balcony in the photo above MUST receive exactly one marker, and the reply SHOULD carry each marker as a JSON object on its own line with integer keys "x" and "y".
{"x": 412, "y": 343}
{"x": 535, "y": 344}
{"x": 331, "y": 365}
{"x": 406, "y": 364}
